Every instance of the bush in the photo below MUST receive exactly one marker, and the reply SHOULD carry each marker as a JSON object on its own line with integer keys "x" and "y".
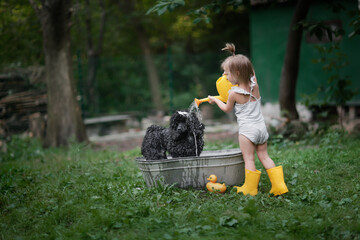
{"x": 22, "y": 149}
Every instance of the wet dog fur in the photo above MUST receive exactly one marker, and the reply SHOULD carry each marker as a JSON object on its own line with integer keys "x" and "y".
{"x": 178, "y": 140}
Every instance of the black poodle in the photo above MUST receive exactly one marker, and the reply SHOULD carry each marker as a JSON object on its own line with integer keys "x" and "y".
{"x": 184, "y": 138}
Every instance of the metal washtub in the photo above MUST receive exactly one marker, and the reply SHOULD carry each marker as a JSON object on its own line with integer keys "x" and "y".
{"x": 227, "y": 165}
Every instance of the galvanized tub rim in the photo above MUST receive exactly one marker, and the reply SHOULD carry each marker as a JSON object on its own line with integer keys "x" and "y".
{"x": 230, "y": 152}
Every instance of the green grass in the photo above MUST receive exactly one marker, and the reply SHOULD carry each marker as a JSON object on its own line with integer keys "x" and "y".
{"x": 79, "y": 193}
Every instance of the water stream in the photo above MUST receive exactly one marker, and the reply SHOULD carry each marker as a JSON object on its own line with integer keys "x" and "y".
{"x": 195, "y": 143}
{"x": 194, "y": 108}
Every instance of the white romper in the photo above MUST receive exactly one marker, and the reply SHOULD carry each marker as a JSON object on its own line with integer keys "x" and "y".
{"x": 249, "y": 117}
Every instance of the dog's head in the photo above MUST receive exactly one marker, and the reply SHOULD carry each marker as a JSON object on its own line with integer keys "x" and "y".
{"x": 183, "y": 122}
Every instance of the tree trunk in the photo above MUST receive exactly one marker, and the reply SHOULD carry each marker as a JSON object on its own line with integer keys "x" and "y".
{"x": 94, "y": 54}
{"x": 153, "y": 77}
{"x": 64, "y": 121}
{"x": 290, "y": 68}
{"x": 150, "y": 69}
{"x": 90, "y": 86}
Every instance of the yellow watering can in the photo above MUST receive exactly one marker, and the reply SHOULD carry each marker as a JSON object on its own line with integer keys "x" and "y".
{"x": 223, "y": 85}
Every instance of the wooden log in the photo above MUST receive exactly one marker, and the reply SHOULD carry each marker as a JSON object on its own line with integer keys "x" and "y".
{"x": 12, "y": 83}
{"x": 23, "y": 103}
{"x": 37, "y": 125}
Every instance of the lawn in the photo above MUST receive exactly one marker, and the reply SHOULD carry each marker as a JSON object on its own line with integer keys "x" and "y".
{"x": 80, "y": 193}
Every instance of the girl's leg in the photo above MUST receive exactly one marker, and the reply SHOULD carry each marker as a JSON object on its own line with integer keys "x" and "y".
{"x": 247, "y": 149}
{"x": 252, "y": 176}
{"x": 263, "y": 156}
{"x": 275, "y": 174}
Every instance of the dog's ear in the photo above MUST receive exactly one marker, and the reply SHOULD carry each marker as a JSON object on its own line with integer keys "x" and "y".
{"x": 194, "y": 118}
{"x": 195, "y": 122}
{"x": 172, "y": 121}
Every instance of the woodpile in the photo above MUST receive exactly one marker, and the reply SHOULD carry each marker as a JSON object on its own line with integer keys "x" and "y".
{"x": 21, "y": 104}
{"x": 10, "y": 83}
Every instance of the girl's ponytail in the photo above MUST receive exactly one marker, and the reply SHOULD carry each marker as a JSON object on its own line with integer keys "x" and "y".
{"x": 238, "y": 65}
{"x": 229, "y": 47}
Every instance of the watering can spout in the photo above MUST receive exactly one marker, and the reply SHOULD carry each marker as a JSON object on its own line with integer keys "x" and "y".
{"x": 199, "y": 101}
{"x": 223, "y": 85}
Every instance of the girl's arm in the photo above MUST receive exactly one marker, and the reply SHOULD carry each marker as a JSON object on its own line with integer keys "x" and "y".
{"x": 255, "y": 79}
{"x": 225, "y": 107}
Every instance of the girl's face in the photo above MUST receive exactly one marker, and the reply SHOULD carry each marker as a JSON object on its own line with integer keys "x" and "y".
{"x": 233, "y": 79}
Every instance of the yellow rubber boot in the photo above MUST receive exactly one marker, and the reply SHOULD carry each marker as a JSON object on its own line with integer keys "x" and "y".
{"x": 276, "y": 176}
{"x": 251, "y": 183}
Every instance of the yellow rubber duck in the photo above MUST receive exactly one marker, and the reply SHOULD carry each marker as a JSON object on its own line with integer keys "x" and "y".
{"x": 212, "y": 186}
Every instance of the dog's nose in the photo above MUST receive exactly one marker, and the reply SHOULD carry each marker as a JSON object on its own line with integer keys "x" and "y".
{"x": 181, "y": 128}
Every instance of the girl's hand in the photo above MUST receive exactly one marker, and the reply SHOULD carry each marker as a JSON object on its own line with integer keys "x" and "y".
{"x": 211, "y": 99}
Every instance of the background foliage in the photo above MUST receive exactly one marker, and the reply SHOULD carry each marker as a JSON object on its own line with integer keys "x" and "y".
{"x": 185, "y": 39}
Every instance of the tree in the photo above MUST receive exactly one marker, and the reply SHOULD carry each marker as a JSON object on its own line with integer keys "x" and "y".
{"x": 153, "y": 77}
{"x": 93, "y": 53}
{"x": 64, "y": 120}
{"x": 290, "y": 68}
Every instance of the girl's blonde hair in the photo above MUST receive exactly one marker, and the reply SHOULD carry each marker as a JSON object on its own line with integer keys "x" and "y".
{"x": 238, "y": 64}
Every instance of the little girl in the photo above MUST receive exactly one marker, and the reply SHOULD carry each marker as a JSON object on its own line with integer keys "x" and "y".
{"x": 245, "y": 98}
